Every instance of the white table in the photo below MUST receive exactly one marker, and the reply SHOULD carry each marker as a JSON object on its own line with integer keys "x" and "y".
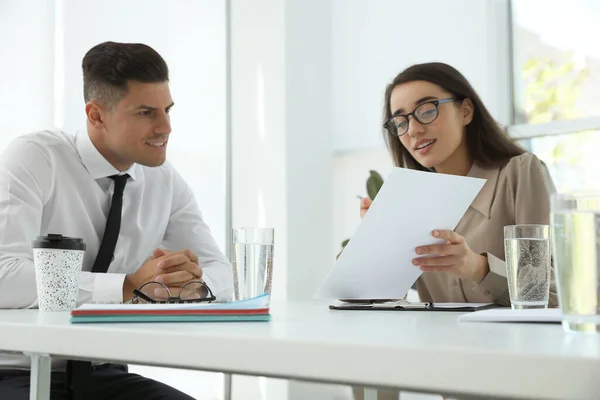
{"x": 420, "y": 351}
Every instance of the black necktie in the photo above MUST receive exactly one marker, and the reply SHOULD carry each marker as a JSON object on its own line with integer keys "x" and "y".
{"x": 113, "y": 226}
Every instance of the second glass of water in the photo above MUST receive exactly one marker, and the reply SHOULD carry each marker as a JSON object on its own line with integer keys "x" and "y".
{"x": 252, "y": 259}
{"x": 527, "y": 252}
{"x": 576, "y": 245}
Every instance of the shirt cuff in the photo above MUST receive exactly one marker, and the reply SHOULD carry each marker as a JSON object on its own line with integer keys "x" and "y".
{"x": 495, "y": 284}
{"x": 108, "y": 288}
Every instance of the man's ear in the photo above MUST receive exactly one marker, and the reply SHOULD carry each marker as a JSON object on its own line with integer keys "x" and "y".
{"x": 95, "y": 114}
{"x": 467, "y": 111}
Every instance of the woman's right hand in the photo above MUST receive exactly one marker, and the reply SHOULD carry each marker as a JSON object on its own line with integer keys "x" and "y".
{"x": 365, "y": 203}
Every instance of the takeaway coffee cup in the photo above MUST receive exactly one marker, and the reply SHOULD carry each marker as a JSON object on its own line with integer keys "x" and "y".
{"x": 58, "y": 261}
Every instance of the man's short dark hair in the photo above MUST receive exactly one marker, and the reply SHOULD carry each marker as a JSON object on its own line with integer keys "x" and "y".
{"x": 109, "y": 66}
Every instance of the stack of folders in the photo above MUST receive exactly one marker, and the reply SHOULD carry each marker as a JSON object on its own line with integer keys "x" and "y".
{"x": 255, "y": 309}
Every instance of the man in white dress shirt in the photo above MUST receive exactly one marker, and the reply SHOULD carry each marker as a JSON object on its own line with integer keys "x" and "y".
{"x": 54, "y": 182}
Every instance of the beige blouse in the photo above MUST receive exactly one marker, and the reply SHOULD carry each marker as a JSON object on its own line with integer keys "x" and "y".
{"x": 517, "y": 193}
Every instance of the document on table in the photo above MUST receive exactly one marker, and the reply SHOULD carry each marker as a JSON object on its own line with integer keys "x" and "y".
{"x": 509, "y": 315}
{"x": 403, "y": 305}
{"x": 376, "y": 263}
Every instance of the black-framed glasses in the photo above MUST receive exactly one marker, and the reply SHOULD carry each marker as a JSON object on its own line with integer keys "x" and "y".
{"x": 424, "y": 113}
{"x": 159, "y": 293}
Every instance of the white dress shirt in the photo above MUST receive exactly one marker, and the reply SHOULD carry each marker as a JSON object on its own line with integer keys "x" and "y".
{"x": 53, "y": 182}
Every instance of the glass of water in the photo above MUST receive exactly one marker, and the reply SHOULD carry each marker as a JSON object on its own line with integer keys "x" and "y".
{"x": 527, "y": 252}
{"x": 252, "y": 259}
{"x": 575, "y": 220}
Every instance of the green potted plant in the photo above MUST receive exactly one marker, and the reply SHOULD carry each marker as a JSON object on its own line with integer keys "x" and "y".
{"x": 374, "y": 183}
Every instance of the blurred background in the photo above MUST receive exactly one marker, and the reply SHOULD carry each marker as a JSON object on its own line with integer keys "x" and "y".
{"x": 279, "y": 102}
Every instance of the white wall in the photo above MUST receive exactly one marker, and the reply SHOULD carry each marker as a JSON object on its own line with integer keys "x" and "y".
{"x": 26, "y": 67}
{"x": 258, "y": 124}
{"x": 281, "y": 133}
{"x": 308, "y": 144}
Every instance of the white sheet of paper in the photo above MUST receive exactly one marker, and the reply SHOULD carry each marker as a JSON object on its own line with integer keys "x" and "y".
{"x": 509, "y": 315}
{"x": 376, "y": 263}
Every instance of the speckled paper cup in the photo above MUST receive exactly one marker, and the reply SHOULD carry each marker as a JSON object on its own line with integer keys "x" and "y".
{"x": 58, "y": 261}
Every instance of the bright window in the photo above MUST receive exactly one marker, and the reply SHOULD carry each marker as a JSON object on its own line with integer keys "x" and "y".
{"x": 556, "y": 75}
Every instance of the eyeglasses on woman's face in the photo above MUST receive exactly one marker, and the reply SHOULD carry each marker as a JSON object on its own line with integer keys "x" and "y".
{"x": 425, "y": 113}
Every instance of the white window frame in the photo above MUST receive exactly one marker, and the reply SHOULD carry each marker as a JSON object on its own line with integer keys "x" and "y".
{"x": 530, "y": 131}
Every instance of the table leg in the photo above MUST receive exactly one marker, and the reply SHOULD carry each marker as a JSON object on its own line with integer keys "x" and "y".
{"x": 40, "y": 377}
{"x": 370, "y": 394}
{"x": 227, "y": 386}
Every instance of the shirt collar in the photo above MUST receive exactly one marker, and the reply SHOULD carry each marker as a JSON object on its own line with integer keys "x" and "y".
{"x": 485, "y": 197}
{"x": 95, "y": 162}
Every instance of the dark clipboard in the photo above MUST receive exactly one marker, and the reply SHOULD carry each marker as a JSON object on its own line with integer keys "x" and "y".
{"x": 403, "y": 305}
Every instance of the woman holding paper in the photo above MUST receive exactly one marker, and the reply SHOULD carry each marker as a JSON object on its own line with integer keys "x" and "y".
{"x": 435, "y": 121}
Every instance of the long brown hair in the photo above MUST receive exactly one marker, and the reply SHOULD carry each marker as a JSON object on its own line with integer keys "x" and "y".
{"x": 486, "y": 141}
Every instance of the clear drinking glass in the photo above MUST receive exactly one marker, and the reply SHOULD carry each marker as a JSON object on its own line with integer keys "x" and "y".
{"x": 575, "y": 220}
{"x": 527, "y": 252}
{"x": 252, "y": 259}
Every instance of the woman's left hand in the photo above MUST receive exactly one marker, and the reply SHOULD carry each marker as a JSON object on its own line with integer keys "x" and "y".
{"x": 454, "y": 257}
